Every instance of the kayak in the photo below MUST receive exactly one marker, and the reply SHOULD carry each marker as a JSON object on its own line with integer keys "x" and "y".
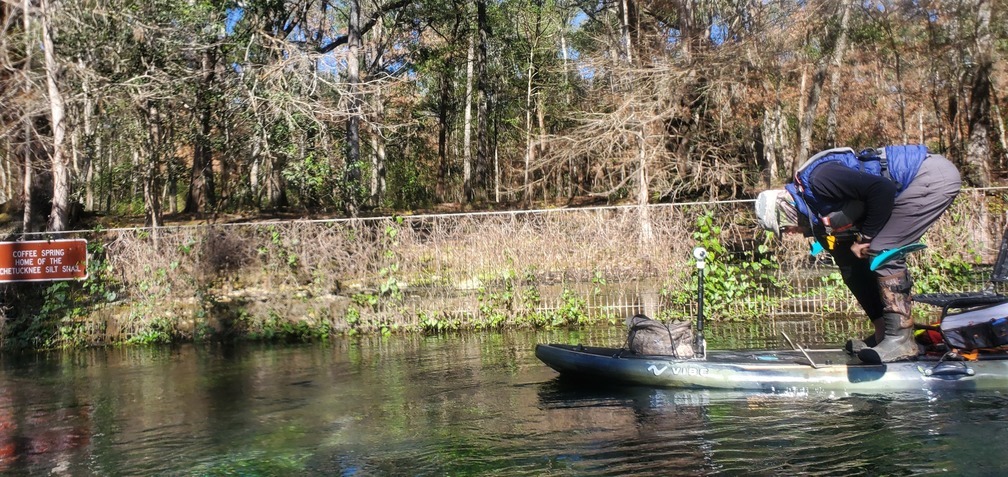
{"x": 775, "y": 370}
{"x": 804, "y": 370}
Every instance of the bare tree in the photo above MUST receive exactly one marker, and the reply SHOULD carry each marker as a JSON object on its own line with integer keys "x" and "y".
{"x": 467, "y": 126}
{"x": 812, "y": 87}
{"x": 978, "y": 149}
{"x": 60, "y": 172}
{"x": 534, "y": 34}
{"x": 836, "y": 69}
{"x": 153, "y": 115}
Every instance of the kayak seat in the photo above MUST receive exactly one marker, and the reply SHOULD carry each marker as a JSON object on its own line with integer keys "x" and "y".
{"x": 970, "y": 299}
{"x": 961, "y": 299}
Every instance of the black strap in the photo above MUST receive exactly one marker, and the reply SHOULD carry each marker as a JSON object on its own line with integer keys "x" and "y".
{"x": 873, "y": 155}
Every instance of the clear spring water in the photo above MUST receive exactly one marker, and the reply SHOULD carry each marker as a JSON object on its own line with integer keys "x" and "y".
{"x": 457, "y": 405}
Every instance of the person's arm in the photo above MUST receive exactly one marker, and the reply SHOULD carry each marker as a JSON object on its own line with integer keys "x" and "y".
{"x": 836, "y": 182}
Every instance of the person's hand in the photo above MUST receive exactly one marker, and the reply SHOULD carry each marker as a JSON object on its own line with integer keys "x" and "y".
{"x": 860, "y": 249}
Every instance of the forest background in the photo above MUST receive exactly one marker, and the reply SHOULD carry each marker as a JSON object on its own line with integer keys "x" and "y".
{"x": 181, "y": 112}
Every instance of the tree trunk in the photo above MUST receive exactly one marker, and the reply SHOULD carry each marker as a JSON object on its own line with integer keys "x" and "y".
{"x": 647, "y": 234}
{"x": 377, "y": 134}
{"x": 565, "y": 56}
{"x": 5, "y": 174}
{"x": 776, "y": 144}
{"x": 276, "y": 192}
{"x": 27, "y": 223}
{"x": 802, "y": 98}
{"x": 90, "y": 155}
{"x": 26, "y": 149}
{"x": 900, "y": 101}
{"x": 1002, "y": 138}
{"x": 812, "y": 95}
{"x": 171, "y": 191}
{"x": 152, "y": 200}
{"x": 836, "y": 64}
{"x": 152, "y": 173}
{"x": 254, "y": 175}
{"x": 441, "y": 189}
{"x": 260, "y": 144}
{"x": 497, "y": 172}
{"x": 266, "y": 176}
{"x": 467, "y": 175}
{"x": 540, "y": 109}
{"x": 811, "y": 102}
{"x": 201, "y": 180}
{"x": 482, "y": 161}
{"x": 378, "y": 151}
{"x": 625, "y": 31}
{"x": 59, "y": 217}
{"x": 352, "y": 175}
{"x": 529, "y": 148}
{"x": 978, "y": 148}
{"x": 933, "y": 79}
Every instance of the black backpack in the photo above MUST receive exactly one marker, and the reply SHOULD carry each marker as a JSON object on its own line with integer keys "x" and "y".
{"x": 652, "y": 337}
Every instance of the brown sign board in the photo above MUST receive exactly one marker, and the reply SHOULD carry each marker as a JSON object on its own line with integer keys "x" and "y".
{"x": 43, "y": 260}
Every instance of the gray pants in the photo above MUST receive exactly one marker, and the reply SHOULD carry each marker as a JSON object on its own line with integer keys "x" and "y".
{"x": 931, "y": 192}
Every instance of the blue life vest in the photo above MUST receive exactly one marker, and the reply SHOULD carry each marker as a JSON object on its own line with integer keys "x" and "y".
{"x": 896, "y": 163}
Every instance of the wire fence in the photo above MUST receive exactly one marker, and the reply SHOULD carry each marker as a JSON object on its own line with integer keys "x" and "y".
{"x": 481, "y": 270}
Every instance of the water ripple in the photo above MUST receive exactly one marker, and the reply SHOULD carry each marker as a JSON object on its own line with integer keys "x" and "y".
{"x": 473, "y": 406}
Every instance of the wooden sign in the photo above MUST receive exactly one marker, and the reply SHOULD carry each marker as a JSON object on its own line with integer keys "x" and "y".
{"x": 43, "y": 260}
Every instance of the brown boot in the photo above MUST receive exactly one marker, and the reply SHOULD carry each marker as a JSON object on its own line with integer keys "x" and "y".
{"x": 898, "y": 342}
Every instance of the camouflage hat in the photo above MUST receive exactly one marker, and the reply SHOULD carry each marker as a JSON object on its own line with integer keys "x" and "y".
{"x": 775, "y": 210}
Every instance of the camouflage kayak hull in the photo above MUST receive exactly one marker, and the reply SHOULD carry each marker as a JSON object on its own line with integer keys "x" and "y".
{"x": 775, "y": 371}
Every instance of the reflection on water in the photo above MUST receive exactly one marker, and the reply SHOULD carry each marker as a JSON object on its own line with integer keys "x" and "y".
{"x": 461, "y": 405}
{"x": 692, "y": 432}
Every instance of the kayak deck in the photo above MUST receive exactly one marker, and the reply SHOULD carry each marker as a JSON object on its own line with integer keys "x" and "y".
{"x": 775, "y": 370}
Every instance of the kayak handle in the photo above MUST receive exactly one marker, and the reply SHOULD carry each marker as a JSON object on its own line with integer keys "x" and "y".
{"x": 946, "y": 368}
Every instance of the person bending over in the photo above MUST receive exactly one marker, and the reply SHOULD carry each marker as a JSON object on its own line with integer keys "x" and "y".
{"x": 857, "y": 205}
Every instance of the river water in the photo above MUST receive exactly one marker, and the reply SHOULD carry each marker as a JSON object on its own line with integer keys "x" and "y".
{"x": 455, "y": 405}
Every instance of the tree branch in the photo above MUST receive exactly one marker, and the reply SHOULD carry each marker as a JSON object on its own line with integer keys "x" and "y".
{"x": 367, "y": 26}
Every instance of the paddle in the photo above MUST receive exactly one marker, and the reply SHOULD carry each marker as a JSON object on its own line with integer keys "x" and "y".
{"x": 882, "y": 257}
{"x": 893, "y": 254}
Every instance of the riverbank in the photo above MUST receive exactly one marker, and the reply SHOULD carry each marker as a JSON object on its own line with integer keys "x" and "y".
{"x": 303, "y": 280}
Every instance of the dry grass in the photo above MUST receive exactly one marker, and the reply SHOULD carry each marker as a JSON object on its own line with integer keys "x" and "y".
{"x": 236, "y": 278}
